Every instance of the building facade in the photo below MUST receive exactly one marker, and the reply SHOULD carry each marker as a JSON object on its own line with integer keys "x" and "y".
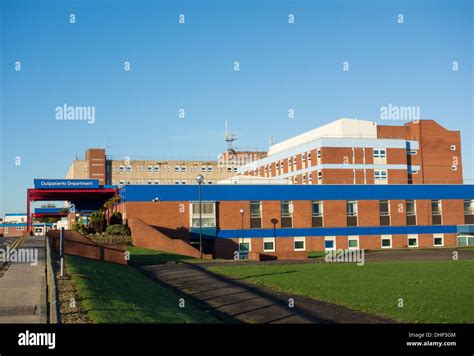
{"x": 349, "y": 151}
{"x": 287, "y": 222}
{"x": 131, "y": 171}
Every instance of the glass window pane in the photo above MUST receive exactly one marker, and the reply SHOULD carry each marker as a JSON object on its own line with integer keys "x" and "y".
{"x": 353, "y": 243}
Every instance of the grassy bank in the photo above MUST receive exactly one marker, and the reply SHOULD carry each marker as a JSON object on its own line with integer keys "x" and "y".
{"x": 439, "y": 292}
{"x": 113, "y": 293}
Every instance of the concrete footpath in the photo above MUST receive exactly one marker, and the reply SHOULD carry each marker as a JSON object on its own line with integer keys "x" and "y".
{"x": 23, "y": 286}
{"x": 249, "y": 303}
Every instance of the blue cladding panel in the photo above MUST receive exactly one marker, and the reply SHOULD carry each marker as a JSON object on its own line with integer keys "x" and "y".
{"x": 297, "y": 192}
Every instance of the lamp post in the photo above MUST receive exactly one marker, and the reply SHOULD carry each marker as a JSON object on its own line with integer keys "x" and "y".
{"x": 242, "y": 235}
{"x": 199, "y": 180}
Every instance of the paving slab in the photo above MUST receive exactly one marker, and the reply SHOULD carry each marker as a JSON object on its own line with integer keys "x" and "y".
{"x": 23, "y": 287}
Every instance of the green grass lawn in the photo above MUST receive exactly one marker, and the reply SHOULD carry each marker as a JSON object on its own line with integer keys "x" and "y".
{"x": 438, "y": 292}
{"x": 140, "y": 256}
{"x": 114, "y": 293}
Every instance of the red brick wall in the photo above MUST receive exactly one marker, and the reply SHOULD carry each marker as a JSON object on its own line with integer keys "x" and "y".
{"x": 143, "y": 235}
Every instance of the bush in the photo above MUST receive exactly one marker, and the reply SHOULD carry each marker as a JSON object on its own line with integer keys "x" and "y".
{"x": 116, "y": 218}
{"x": 118, "y": 230}
{"x": 79, "y": 227}
{"x": 98, "y": 221}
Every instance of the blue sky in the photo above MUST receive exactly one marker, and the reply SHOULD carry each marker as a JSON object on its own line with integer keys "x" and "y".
{"x": 190, "y": 66}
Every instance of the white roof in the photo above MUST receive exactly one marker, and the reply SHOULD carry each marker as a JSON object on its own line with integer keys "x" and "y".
{"x": 344, "y": 128}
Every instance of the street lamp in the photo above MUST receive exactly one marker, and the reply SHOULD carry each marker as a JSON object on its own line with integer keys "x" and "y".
{"x": 200, "y": 180}
{"x": 242, "y": 217}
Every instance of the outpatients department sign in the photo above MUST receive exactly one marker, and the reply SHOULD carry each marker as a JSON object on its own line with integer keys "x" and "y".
{"x": 66, "y": 183}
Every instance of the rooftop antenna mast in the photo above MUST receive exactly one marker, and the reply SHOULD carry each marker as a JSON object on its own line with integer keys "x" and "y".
{"x": 229, "y": 138}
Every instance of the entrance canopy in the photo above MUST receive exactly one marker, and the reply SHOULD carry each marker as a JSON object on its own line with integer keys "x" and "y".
{"x": 83, "y": 193}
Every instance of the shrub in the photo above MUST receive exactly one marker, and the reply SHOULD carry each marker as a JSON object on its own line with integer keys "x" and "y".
{"x": 116, "y": 218}
{"x": 118, "y": 230}
{"x": 79, "y": 227}
{"x": 98, "y": 221}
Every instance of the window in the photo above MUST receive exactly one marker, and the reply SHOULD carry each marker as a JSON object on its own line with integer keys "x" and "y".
{"x": 453, "y": 147}
{"x": 149, "y": 182}
{"x": 412, "y": 240}
{"x": 183, "y": 182}
{"x": 129, "y": 182}
{"x": 269, "y": 244}
{"x": 384, "y": 207}
{"x": 149, "y": 169}
{"x": 454, "y": 167}
{"x": 208, "y": 214}
{"x": 290, "y": 162}
{"x": 209, "y": 169}
{"x": 329, "y": 243}
{"x": 176, "y": 169}
{"x": 309, "y": 157}
{"x": 129, "y": 169}
{"x": 351, "y": 208}
{"x": 286, "y": 213}
{"x": 299, "y": 243}
{"x": 468, "y": 206}
{"x": 411, "y": 212}
{"x": 203, "y": 169}
{"x": 353, "y": 242}
{"x": 386, "y": 241}
{"x": 412, "y": 152}
{"x": 438, "y": 240}
{"x": 294, "y": 160}
{"x": 304, "y": 178}
{"x": 157, "y": 168}
{"x": 245, "y": 246}
{"x": 380, "y": 176}
{"x": 229, "y": 169}
{"x": 317, "y": 213}
{"x": 380, "y": 153}
{"x": 183, "y": 168}
{"x": 318, "y": 153}
{"x": 303, "y": 157}
{"x": 255, "y": 214}
{"x": 122, "y": 169}
{"x": 157, "y": 182}
{"x": 351, "y": 211}
{"x": 436, "y": 212}
{"x": 122, "y": 182}
{"x": 176, "y": 182}
{"x": 320, "y": 175}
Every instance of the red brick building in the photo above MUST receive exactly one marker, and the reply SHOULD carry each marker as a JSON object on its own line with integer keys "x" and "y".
{"x": 289, "y": 221}
{"x": 350, "y": 151}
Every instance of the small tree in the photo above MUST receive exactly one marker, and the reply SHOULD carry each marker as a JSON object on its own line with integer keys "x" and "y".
{"x": 98, "y": 221}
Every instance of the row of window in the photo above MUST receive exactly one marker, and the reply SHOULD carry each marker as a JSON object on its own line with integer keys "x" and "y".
{"x": 177, "y": 169}
{"x": 379, "y": 155}
{"x": 157, "y": 181}
{"x": 299, "y": 243}
{"x": 317, "y": 212}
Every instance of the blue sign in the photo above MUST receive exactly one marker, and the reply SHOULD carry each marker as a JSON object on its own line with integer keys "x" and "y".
{"x": 66, "y": 183}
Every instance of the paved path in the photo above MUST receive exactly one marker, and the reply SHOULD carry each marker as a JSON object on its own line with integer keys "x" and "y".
{"x": 23, "y": 287}
{"x": 249, "y": 303}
